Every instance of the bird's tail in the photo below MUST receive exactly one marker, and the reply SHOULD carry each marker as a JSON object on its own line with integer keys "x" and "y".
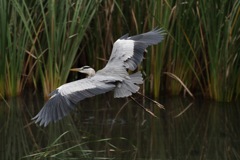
{"x": 128, "y": 86}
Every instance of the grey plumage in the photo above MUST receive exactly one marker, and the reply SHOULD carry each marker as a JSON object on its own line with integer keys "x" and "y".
{"x": 127, "y": 53}
{"x": 64, "y": 99}
{"x": 131, "y": 57}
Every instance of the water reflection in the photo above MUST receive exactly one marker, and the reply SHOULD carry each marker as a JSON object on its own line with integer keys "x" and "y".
{"x": 108, "y": 128}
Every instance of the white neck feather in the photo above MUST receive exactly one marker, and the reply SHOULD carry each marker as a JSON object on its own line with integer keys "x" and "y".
{"x": 91, "y": 72}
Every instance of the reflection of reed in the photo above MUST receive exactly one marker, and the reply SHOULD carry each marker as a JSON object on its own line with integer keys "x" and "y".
{"x": 201, "y": 131}
{"x": 104, "y": 127}
{"x": 14, "y": 140}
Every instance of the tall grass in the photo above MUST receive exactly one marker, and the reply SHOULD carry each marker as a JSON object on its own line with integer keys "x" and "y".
{"x": 219, "y": 27}
{"x": 41, "y": 40}
{"x": 46, "y": 42}
{"x": 201, "y": 50}
{"x": 158, "y": 16}
{"x": 15, "y": 38}
{"x": 3, "y": 44}
{"x": 182, "y": 27}
{"x": 63, "y": 27}
{"x": 184, "y": 52}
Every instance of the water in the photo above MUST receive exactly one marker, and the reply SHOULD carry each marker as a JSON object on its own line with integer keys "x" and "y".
{"x": 107, "y": 128}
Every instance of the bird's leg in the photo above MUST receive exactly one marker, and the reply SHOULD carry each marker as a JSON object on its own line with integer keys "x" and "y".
{"x": 147, "y": 110}
{"x": 157, "y": 103}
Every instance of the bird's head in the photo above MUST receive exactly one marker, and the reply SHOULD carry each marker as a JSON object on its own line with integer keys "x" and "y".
{"x": 85, "y": 69}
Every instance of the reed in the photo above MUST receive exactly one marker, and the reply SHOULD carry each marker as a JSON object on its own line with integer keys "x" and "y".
{"x": 202, "y": 52}
{"x": 200, "y": 47}
{"x": 4, "y": 25}
{"x": 183, "y": 53}
{"x": 16, "y": 37}
{"x": 61, "y": 144}
{"x": 180, "y": 44}
{"x": 158, "y": 16}
{"x": 63, "y": 27}
{"x": 219, "y": 28}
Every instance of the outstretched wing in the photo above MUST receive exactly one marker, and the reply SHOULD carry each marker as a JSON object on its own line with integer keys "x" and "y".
{"x": 129, "y": 50}
{"x": 64, "y": 98}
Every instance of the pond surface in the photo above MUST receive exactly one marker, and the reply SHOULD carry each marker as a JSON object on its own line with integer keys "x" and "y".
{"x": 106, "y": 128}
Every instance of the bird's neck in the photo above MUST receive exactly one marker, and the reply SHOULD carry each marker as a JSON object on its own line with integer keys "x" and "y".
{"x": 91, "y": 73}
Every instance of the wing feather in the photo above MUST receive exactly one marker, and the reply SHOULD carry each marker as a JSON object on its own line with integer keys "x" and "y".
{"x": 129, "y": 50}
{"x": 65, "y": 97}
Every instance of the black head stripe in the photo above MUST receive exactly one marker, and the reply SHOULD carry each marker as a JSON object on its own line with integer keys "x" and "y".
{"x": 86, "y": 67}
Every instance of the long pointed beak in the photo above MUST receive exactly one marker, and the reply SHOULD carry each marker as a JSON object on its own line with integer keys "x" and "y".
{"x": 75, "y": 69}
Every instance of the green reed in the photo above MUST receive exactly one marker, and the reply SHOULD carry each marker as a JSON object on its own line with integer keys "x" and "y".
{"x": 40, "y": 46}
{"x": 200, "y": 46}
{"x": 3, "y": 44}
{"x": 159, "y": 14}
{"x": 63, "y": 27}
{"x": 15, "y": 38}
{"x": 179, "y": 53}
{"x": 184, "y": 52}
{"x": 64, "y": 142}
{"x": 201, "y": 50}
{"x": 219, "y": 44}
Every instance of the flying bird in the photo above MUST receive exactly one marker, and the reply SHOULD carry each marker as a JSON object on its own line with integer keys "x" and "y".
{"x": 127, "y": 54}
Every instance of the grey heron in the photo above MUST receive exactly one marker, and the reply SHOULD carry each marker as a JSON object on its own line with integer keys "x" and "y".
{"x": 127, "y": 54}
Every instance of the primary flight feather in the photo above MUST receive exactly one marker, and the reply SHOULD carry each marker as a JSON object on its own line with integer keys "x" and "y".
{"x": 127, "y": 53}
